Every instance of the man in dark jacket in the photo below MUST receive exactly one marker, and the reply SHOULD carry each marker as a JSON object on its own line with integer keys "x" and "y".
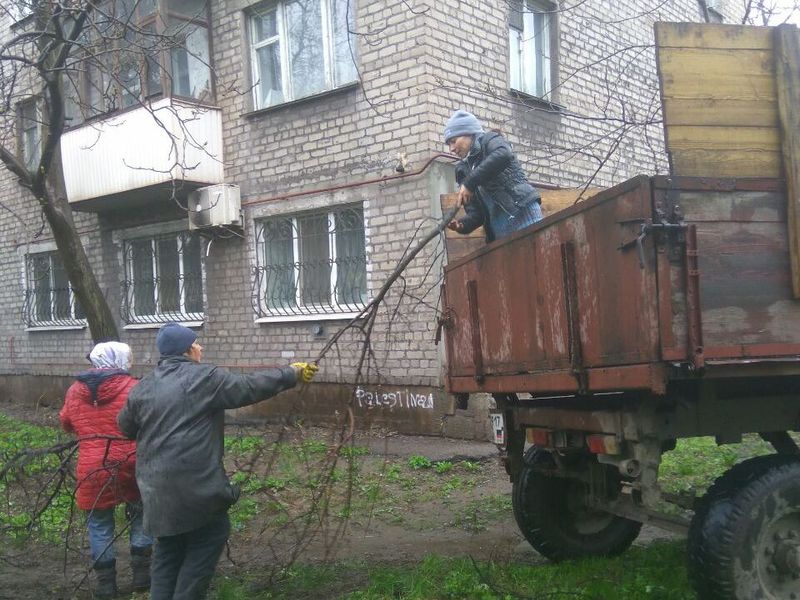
{"x": 493, "y": 188}
{"x": 176, "y": 415}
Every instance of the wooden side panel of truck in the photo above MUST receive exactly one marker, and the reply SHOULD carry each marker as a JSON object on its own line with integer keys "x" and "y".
{"x": 609, "y": 294}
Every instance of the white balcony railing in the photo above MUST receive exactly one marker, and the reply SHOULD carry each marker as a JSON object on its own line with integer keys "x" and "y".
{"x": 168, "y": 140}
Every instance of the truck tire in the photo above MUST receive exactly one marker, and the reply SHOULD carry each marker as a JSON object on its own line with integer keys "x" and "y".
{"x": 744, "y": 540}
{"x": 552, "y": 516}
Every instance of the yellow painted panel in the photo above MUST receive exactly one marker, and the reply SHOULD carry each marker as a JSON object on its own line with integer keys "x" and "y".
{"x": 720, "y": 111}
{"x": 555, "y": 200}
{"x": 719, "y": 163}
{"x": 706, "y": 35}
{"x": 787, "y": 55}
{"x": 734, "y": 74}
{"x": 689, "y": 137}
{"x": 719, "y": 99}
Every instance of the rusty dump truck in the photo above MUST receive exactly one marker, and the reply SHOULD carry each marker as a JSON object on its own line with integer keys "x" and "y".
{"x": 666, "y": 307}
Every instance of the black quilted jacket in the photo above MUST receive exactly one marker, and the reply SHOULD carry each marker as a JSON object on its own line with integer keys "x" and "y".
{"x": 493, "y": 173}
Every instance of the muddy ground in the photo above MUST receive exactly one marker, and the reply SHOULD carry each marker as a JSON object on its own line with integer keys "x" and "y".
{"x": 431, "y": 525}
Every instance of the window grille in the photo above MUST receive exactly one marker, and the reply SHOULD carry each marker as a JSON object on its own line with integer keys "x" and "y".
{"x": 300, "y": 48}
{"x": 311, "y": 263}
{"x": 163, "y": 279}
{"x": 49, "y": 299}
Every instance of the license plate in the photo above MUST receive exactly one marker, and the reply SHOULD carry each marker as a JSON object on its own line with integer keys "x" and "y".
{"x": 498, "y": 428}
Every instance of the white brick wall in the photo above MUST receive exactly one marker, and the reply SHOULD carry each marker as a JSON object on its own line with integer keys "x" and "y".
{"x": 416, "y": 68}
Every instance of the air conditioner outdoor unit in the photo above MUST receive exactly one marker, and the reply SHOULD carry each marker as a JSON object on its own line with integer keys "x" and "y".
{"x": 214, "y": 205}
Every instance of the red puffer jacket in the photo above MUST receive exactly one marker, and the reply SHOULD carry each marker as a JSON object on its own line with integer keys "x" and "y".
{"x": 106, "y": 466}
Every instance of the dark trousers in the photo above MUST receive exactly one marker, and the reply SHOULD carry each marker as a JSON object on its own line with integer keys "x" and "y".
{"x": 184, "y": 564}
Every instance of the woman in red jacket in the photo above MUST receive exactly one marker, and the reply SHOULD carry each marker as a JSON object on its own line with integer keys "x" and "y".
{"x": 106, "y": 463}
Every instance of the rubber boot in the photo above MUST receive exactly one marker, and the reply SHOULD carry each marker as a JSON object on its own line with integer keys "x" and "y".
{"x": 140, "y": 566}
{"x": 106, "y": 580}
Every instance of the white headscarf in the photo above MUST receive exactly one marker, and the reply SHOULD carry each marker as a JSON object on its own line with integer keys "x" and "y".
{"x": 111, "y": 355}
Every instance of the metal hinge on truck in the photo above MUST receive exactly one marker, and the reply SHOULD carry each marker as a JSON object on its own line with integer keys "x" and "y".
{"x": 674, "y": 228}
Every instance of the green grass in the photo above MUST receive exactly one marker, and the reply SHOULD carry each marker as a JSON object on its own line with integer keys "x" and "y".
{"x": 442, "y": 467}
{"x": 653, "y": 573}
{"x": 30, "y": 485}
{"x": 479, "y": 513}
{"x": 16, "y": 436}
{"x": 279, "y": 479}
{"x": 420, "y": 462}
{"x": 695, "y": 463}
{"x": 360, "y": 486}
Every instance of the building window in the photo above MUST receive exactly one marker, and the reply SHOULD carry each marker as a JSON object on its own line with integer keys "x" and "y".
{"x": 163, "y": 279}
{"x": 299, "y": 48}
{"x": 714, "y": 11}
{"x": 140, "y": 50}
{"x": 311, "y": 263}
{"x": 30, "y": 134}
{"x": 20, "y": 9}
{"x": 529, "y": 33}
{"x": 49, "y": 300}
{"x": 189, "y": 60}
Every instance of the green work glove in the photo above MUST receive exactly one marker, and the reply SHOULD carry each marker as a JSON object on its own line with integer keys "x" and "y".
{"x": 305, "y": 371}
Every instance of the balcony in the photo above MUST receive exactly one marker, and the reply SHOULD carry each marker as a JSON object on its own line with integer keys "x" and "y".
{"x": 130, "y": 156}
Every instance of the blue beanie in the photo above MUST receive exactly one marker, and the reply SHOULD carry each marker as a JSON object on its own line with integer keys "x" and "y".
{"x": 461, "y": 123}
{"x": 174, "y": 339}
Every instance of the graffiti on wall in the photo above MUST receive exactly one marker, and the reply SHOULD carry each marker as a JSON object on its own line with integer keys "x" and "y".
{"x": 403, "y": 398}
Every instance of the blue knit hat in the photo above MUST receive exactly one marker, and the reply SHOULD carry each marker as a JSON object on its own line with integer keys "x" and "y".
{"x": 174, "y": 339}
{"x": 461, "y": 123}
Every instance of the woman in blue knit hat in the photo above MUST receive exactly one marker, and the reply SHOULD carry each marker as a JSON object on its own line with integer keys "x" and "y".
{"x": 493, "y": 188}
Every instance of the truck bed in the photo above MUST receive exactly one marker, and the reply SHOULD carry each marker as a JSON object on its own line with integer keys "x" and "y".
{"x": 574, "y": 304}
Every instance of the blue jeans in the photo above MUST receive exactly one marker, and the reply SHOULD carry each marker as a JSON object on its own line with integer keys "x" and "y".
{"x": 100, "y": 524}
{"x": 503, "y": 224}
{"x": 183, "y": 565}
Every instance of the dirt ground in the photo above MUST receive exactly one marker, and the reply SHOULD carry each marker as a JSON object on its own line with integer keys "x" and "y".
{"x": 48, "y": 572}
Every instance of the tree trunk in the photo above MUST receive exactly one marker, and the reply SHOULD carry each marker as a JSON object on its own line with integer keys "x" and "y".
{"x": 87, "y": 291}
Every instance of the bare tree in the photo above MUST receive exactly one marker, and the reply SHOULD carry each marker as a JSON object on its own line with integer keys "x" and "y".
{"x": 70, "y": 61}
{"x": 770, "y": 12}
{"x": 315, "y": 513}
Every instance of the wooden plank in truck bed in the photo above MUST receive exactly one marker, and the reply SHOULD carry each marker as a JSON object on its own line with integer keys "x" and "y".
{"x": 730, "y": 102}
{"x": 719, "y": 96}
{"x": 787, "y": 58}
{"x": 459, "y": 245}
{"x": 747, "y": 309}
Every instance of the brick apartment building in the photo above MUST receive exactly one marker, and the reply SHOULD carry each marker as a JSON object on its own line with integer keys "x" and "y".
{"x": 277, "y": 104}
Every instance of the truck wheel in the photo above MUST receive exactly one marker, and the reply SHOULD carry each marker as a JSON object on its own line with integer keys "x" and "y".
{"x": 744, "y": 540}
{"x": 553, "y": 516}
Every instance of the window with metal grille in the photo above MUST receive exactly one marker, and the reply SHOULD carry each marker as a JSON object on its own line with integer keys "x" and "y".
{"x": 163, "y": 279}
{"x": 49, "y": 300}
{"x": 529, "y": 31}
{"x": 311, "y": 263}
